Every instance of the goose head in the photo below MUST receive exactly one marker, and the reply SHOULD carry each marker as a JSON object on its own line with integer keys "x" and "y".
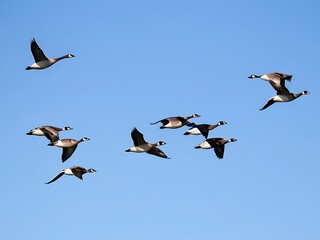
{"x": 84, "y": 139}
{"x": 195, "y": 115}
{"x": 253, "y": 76}
{"x": 161, "y": 143}
{"x": 30, "y": 132}
{"x": 91, "y": 170}
{"x": 222, "y": 123}
{"x": 232, "y": 140}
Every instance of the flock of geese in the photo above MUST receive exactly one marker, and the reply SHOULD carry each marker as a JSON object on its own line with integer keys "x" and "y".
{"x": 68, "y": 145}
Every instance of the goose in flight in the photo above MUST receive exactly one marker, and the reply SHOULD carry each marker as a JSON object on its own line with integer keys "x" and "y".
{"x": 41, "y": 61}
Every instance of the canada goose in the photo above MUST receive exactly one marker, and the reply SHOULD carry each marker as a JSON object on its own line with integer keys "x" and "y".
{"x": 140, "y": 145}
{"x": 217, "y": 144}
{"x": 68, "y": 146}
{"x": 176, "y": 122}
{"x": 41, "y": 61}
{"x": 274, "y": 77}
{"x": 203, "y": 129}
{"x": 283, "y": 97}
{"x": 54, "y": 132}
{"x": 283, "y": 94}
{"x": 76, "y": 171}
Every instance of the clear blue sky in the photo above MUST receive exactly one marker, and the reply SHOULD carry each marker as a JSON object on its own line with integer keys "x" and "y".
{"x": 140, "y": 61}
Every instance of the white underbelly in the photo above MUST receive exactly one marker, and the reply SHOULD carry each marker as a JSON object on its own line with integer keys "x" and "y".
{"x": 282, "y": 98}
{"x": 41, "y": 64}
{"x": 194, "y": 131}
{"x": 139, "y": 149}
{"x": 173, "y": 125}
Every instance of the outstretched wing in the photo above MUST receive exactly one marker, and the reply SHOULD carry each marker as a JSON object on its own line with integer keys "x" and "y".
{"x": 137, "y": 137}
{"x": 190, "y": 124}
{"x": 51, "y": 135}
{"x": 37, "y": 53}
{"x": 219, "y": 151}
{"x": 184, "y": 121}
{"x": 279, "y": 87}
{"x": 78, "y": 172}
{"x": 67, "y": 152}
{"x": 203, "y": 128}
{"x": 57, "y": 177}
{"x": 155, "y": 122}
{"x": 268, "y": 104}
{"x": 55, "y": 128}
{"x": 163, "y": 121}
{"x": 283, "y": 76}
{"x": 157, "y": 152}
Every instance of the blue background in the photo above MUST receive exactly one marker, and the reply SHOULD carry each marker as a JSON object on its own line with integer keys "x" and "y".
{"x": 140, "y": 61}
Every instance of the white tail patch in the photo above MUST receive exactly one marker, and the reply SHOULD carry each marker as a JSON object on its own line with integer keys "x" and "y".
{"x": 205, "y": 145}
{"x": 265, "y": 77}
{"x": 194, "y": 131}
{"x": 37, "y": 132}
{"x": 282, "y": 98}
{"x": 68, "y": 171}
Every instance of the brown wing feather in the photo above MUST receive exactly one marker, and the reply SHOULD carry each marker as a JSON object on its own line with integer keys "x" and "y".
{"x": 37, "y": 53}
{"x": 219, "y": 151}
{"x": 67, "y": 152}
{"x": 203, "y": 128}
{"x": 55, "y": 128}
{"x": 157, "y": 152}
{"x": 268, "y": 104}
{"x": 56, "y": 177}
{"x": 78, "y": 172}
{"x": 137, "y": 137}
{"x": 51, "y": 135}
{"x": 283, "y": 76}
{"x": 280, "y": 88}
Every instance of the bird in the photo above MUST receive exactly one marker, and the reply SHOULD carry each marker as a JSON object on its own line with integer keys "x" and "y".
{"x": 277, "y": 81}
{"x": 273, "y": 77}
{"x": 217, "y": 144}
{"x": 68, "y": 146}
{"x": 203, "y": 129}
{"x": 140, "y": 145}
{"x": 76, "y": 171}
{"x": 176, "y": 122}
{"x": 54, "y": 132}
{"x": 283, "y": 96}
{"x": 41, "y": 61}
